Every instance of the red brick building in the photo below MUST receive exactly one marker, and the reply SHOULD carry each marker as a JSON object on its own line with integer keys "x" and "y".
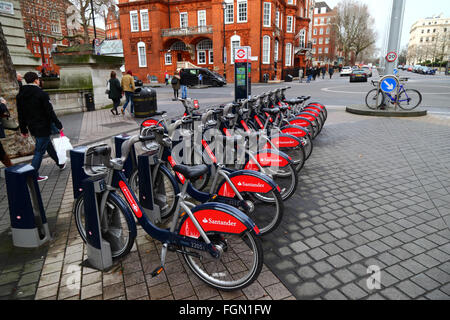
{"x": 324, "y": 44}
{"x": 112, "y": 24}
{"x": 45, "y": 25}
{"x": 161, "y": 35}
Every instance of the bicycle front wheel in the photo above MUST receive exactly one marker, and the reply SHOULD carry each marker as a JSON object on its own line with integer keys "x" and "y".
{"x": 115, "y": 226}
{"x": 371, "y": 99}
{"x": 238, "y": 266}
{"x": 409, "y": 99}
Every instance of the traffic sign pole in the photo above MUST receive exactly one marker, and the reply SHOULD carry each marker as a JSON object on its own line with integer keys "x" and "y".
{"x": 395, "y": 30}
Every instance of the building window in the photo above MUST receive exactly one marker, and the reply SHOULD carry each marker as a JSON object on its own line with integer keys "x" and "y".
{"x": 277, "y": 19}
{"x": 320, "y": 50}
{"x": 266, "y": 50}
{"x": 134, "y": 21}
{"x": 328, "y": 30}
{"x": 315, "y": 31}
{"x": 201, "y": 17}
{"x": 289, "y": 20}
{"x": 183, "y": 20}
{"x": 235, "y": 42}
{"x": 315, "y": 41}
{"x": 142, "y": 56}
{"x": 211, "y": 57}
{"x": 323, "y": 10}
{"x": 288, "y": 55}
{"x": 201, "y": 57}
{"x": 302, "y": 38}
{"x": 275, "y": 51}
{"x": 229, "y": 13}
{"x": 327, "y": 40}
{"x": 168, "y": 58}
{"x": 321, "y": 31}
{"x": 242, "y": 11}
{"x": 266, "y": 14}
{"x": 290, "y": 2}
{"x": 145, "y": 26}
{"x": 316, "y": 21}
{"x": 326, "y": 50}
{"x": 205, "y": 45}
{"x": 320, "y": 40}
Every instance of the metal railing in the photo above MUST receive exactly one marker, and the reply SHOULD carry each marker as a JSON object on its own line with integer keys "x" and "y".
{"x": 177, "y": 32}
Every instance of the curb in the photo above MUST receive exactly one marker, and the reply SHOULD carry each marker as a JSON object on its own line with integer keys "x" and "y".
{"x": 363, "y": 110}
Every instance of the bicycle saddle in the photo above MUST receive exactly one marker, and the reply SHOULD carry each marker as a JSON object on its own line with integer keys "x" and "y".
{"x": 271, "y": 110}
{"x": 191, "y": 173}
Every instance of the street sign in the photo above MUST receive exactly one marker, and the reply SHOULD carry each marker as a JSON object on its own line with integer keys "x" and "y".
{"x": 395, "y": 72}
{"x": 388, "y": 84}
{"x": 241, "y": 54}
{"x": 391, "y": 56}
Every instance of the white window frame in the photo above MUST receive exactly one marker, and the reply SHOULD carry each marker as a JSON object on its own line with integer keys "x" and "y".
{"x": 210, "y": 57}
{"x": 168, "y": 58}
{"x": 320, "y": 50}
{"x": 267, "y": 6}
{"x": 288, "y": 55}
{"x": 181, "y": 20}
{"x": 277, "y": 19}
{"x": 321, "y": 31}
{"x": 239, "y": 3}
{"x": 320, "y": 40}
{"x": 198, "y": 56}
{"x": 201, "y": 17}
{"x": 142, "y": 60}
{"x": 134, "y": 14}
{"x": 266, "y": 50}
{"x": 275, "y": 51}
{"x": 229, "y": 9}
{"x": 142, "y": 14}
{"x": 289, "y": 24}
{"x": 234, "y": 38}
{"x": 290, "y": 2}
{"x": 302, "y": 38}
{"x": 326, "y": 49}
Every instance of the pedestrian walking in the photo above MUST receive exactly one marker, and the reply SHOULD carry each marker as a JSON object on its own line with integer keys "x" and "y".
{"x": 315, "y": 71}
{"x": 300, "y": 75}
{"x": 166, "y": 78}
{"x": 331, "y": 71}
{"x": 200, "y": 79}
{"x": 115, "y": 92}
{"x": 309, "y": 74}
{"x": 324, "y": 70}
{"x": 183, "y": 85}
{"x": 175, "y": 85}
{"x": 4, "y": 113}
{"x": 128, "y": 88}
{"x": 36, "y": 117}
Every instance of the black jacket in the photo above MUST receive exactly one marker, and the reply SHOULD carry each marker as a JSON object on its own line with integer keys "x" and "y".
{"x": 115, "y": 89}
{"x": 35, "y": 112}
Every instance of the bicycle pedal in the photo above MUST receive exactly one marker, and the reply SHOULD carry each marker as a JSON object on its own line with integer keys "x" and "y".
{"x": 157, "y": 271}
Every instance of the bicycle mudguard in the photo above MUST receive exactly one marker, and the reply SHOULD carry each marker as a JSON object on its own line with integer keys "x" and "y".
{"x": 216, "y": 217}
{"x": 314, "y": 111}
{"x": 295, "y": 130}
{"x": 300, "y": 121}
{"x": 152, "y": 122}
{"x": 313, "y": 108}
{"x": 246, "y": 181}
{"x": 127, "y": 213}
{"x": 283, "y": 141}
{"x": 269, "y": 158}
{"x": 309, "y": 116}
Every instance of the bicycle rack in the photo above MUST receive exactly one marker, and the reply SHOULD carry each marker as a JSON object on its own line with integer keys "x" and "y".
{"x": 29, "y": 225}
{"x": 146, "y": 195}
{"x": 130, "y": 163}
{"x": 98, "y": 249}
{"x": 78, "y": 174}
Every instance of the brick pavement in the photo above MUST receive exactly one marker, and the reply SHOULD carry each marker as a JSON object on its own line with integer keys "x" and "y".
{"x": 375, "y": 192}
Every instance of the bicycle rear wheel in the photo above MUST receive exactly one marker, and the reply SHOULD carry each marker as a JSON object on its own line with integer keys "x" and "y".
{"x": 409, "y": 99}
{"x": 371, "y": 99}
{"x": 239, "y": 264}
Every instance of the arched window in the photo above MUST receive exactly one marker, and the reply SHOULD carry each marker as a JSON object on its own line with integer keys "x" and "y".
{"x": 202, "y": 54}
{"x": 266, "y": 50}
{"x": 235, "y": 42}
{"x": 205, "y": 45}
{"x": 179, "y": 45}
{"x": 142, "y": 54}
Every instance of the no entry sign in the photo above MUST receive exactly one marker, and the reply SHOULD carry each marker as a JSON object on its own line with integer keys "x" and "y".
{"x": 391, "y": 56}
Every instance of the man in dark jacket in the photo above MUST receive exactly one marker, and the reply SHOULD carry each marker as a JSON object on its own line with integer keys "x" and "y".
{"x": 36, "y": 116}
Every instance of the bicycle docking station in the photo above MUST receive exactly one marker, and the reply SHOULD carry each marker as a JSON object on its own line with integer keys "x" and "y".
{"x": 98, "y": 249}
{"x": 130, "y": 163}
{"x": 78, "y": 174}
{"x": 29, "y": 225}
{"x": 146, "y": 195}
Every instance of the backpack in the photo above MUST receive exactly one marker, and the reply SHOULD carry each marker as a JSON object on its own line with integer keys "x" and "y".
{"x": 174, "y": 80}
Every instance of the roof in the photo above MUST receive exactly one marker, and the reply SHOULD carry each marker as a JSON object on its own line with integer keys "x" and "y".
{"x": 322, "y": 4}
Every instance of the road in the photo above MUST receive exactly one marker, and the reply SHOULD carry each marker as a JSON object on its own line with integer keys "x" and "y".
{"x": 336, "y": 92}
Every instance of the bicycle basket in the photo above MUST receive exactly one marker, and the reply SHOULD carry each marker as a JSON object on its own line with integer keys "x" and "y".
{"x": 96, "y": 160}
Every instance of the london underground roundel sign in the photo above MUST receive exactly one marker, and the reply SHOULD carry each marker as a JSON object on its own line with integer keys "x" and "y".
{"x": 391, "y": 56}
{"x": 241, "y": 55}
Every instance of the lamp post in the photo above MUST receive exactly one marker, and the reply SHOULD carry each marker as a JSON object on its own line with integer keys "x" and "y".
{"x": 93, "y": 21}
{"x": 224, "y": 6}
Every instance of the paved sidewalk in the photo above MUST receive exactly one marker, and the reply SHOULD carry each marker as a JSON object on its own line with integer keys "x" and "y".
{"x": 375, "y": 192}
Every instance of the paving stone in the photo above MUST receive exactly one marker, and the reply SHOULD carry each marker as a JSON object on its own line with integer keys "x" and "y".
{"x": 278, "y": 291}
{"x": 337, "y": 261}
{"x": 335, "y": 295}
{"x": 399, "y": 272}
{"x": 136, "y": 291}
{"x": 328, "y": 281}
{"x": 410, "y": 288}
{"x": 394, "y": 294}
{"x": 366, "y": 251}
{"x": 317, "y": 254}
{"x": 299, "y": 246}
{"x": 253, "y": 291}
{"x": 425, "y": 282}
{"x": 306, "y": 272}
{"x": 438, "y": 295}
{"x": 322, "y": 267}
{"x": 344, "y": 275}
{"x": 353, "y": 292}
{"x": 308, "y": 290}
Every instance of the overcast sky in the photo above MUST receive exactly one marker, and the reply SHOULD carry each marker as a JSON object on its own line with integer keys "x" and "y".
{"x": 414, "y": 10}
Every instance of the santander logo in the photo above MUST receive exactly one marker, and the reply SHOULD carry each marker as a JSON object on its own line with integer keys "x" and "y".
{"x": 219, "y": 222}
{"x": 246, "y": 184}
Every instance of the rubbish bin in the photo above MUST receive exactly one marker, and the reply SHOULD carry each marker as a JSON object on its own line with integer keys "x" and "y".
{"x": 265, "y": 77}
{"x": 89, "y": 98}
{"x": 144, "y": 100}
{"x": 288, "y": 78}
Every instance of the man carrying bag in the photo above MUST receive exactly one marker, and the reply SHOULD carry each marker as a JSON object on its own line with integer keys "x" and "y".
{"x": 36, "y": 116}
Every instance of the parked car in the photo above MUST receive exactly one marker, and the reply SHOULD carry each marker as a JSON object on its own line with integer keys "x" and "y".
{"x": 137, "y": 82}
{"x": 410, "y": 68}
{"x": 358, "y": 75}
{"x": 368, "y": 70}
{"x": 427, "y": 70}
{"x": 346, "y": 71}
{"x": 209, "y": 77}
{"x": 416, "y": 68}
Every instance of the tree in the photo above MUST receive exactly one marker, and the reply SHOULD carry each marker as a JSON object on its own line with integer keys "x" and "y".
{"x": 14, "y": 144}
{"x": 353, "y": 29}
{"x": 82, "y": 12}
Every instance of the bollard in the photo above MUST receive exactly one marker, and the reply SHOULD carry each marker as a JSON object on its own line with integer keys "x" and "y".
{"x": 130, "y": 163}
{"x": 78, "y": 174}
{"x": 98, "y": 249}
{"x": 27, "y": 214}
